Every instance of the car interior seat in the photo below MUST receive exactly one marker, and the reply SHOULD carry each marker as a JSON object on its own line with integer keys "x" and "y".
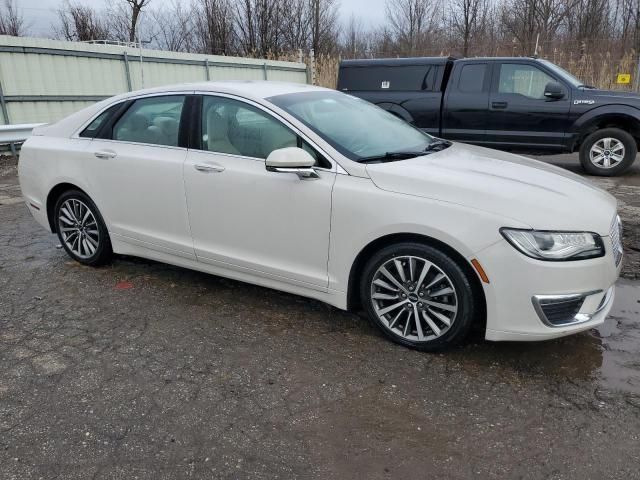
{"x": 137, "y": 128}
{"x": 218, "y": 134}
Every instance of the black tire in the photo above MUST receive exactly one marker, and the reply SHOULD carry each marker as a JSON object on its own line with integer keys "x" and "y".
{"x": 463, "y": 298}
{"x": 630, "y": 152}
{"x": 96, "y": 244}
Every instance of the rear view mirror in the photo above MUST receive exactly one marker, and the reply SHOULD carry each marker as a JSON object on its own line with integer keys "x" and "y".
{"x": 292, "y": 160}
{"x": 553, "y": 91}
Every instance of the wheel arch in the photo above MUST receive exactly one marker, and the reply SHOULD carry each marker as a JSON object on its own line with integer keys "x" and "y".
{"x": 593, "y": 121}
{"x": 397, "y": 110}
{"x": 353, "y": 292}
{"x": 52, "y": 198}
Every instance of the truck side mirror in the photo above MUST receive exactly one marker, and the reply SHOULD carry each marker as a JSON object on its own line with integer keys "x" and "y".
{"x": 553, "y": 91}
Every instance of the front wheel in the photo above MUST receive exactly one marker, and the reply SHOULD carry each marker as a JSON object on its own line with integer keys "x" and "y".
{"x": 418, "y": 296}
{"x": 608, "y": 152}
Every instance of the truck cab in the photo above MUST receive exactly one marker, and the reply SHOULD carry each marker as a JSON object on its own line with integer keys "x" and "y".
{"x": 508, "y": 103}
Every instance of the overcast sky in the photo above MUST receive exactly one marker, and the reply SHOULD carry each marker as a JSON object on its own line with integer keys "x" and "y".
{"x": 40, "y": 14}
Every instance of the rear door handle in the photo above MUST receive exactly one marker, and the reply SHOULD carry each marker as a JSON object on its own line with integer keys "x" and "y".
{"x": 499, "y": 104}
{"x": 105, "y": 154}
{"x": 206, "y": 168}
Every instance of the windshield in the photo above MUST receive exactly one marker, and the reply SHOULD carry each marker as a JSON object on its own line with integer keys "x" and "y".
{"x": 561, "y": 72}
{"x": 354, "y": 127}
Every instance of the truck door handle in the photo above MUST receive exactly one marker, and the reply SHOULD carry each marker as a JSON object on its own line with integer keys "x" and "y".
{"x": 499, "y": 104}
{"x": 105, "y": 154}
{"x": 206, "y": 168}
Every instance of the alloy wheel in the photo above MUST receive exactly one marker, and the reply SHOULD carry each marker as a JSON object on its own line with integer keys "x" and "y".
{"x": 414, "y": 298}
{"x": 78, "y": 228}
{"x": 607, "y": 152}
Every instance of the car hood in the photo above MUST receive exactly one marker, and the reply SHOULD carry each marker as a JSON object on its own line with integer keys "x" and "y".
{"x": 613, "y": 94}
{"x": 526, "y": 191}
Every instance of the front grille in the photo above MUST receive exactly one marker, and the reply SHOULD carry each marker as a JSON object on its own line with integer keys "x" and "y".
{"x": 560, "y": 311}
{"x": 615, "y": 233}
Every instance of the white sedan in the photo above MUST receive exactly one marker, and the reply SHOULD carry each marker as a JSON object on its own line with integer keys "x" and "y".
{"x": 317, "y": 193}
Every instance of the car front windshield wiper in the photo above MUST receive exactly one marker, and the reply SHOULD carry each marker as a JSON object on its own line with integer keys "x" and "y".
{"x": 434, "y": 146}
{"x": 437, "y": 145}
{"x": 390, "y": 156}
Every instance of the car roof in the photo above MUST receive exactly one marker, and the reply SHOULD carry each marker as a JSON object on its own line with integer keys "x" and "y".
{"x": 394, "y": 62}
{"x": 370, "y": 62}
{"x": 257, "y": 89}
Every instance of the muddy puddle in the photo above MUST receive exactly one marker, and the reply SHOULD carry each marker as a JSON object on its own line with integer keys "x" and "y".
{"x": 607, "y": 357}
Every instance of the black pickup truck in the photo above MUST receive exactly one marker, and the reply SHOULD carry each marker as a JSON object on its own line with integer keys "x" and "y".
{"x": 515, "y": 103}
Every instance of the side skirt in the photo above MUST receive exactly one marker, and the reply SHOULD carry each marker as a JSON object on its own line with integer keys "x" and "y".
{"x": 332, "y": 297}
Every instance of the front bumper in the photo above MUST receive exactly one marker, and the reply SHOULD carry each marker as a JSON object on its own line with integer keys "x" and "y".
{"x": 519, "y": 283}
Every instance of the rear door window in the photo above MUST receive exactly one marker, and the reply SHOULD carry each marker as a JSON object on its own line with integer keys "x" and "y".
{"x": 472, "y": 78}
{"x": 154, "y": 120}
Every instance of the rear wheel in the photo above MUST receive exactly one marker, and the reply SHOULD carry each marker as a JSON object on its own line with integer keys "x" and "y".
{"x": 81, "y": 229}
{"x": 418, "y": 296}
{"x": 608, "y": 152}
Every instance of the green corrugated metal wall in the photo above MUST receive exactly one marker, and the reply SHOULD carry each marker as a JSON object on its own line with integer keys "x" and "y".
{"x": 45, "y": 80}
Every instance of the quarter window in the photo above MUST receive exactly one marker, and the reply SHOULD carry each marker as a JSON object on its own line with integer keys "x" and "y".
{"x": 154, "y": 120}
{"x": 94, "y": 127}
{"x": 472, "y": 78}
{"x": 522, "y": 79}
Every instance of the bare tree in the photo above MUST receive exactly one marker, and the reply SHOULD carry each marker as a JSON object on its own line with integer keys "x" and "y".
{"x": 468, "y": 20}
{"x": 411, "y": 22}
{"x": 172, "y": 27}
{"x": 258, "y": 24}
{"x": 296, "y": 29}
{"x": 630, "y": 15}
{"x": 11, "y": 21}
{"x": 125, "y": 19}
{"x": 80, "y": 23}
{"x": 324, "y": 25}
{"x": 355, "y": 38}
{"x": 136, "y": 8}
{"x": 525, "y": 20}
{"x": 589, "y": 21}
{"x": 213, "y": 27}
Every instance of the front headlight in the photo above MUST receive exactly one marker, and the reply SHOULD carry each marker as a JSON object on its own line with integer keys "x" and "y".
{"x": 555, "y": 246}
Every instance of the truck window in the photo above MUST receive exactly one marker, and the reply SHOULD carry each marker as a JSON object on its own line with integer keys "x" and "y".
{"x": 523, "y": 79}
{"x": 405, "y": 78}
{"x": 472, "y": 78}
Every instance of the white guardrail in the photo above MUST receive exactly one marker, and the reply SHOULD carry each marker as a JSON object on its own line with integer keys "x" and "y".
{"x": 16, "y": 133}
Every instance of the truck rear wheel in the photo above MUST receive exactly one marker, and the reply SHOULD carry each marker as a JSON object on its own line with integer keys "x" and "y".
{"x": 608, "y": 152}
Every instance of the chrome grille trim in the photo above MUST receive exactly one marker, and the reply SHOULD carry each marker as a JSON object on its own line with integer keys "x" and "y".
{"x": 615, "y": 232}
{"x": 563, "y": 310}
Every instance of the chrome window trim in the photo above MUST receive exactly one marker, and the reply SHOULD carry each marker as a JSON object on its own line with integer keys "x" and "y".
{"x": 126, "y": 142}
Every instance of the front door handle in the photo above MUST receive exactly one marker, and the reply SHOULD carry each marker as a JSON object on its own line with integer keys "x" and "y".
{"x": 105, "y": 154}
{"x": 499, "y": 104}
{"x": 206, "y": 168}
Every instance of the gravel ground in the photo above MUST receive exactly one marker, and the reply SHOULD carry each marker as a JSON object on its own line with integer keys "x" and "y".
{"x": 143, "y": 370}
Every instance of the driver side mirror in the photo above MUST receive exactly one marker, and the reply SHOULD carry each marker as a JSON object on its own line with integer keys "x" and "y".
{"x": 292, "y": 160}
{"x": 553, "y": 91}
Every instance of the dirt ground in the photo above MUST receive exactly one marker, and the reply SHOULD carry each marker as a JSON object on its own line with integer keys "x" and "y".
{"x": 143, "y": 370}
